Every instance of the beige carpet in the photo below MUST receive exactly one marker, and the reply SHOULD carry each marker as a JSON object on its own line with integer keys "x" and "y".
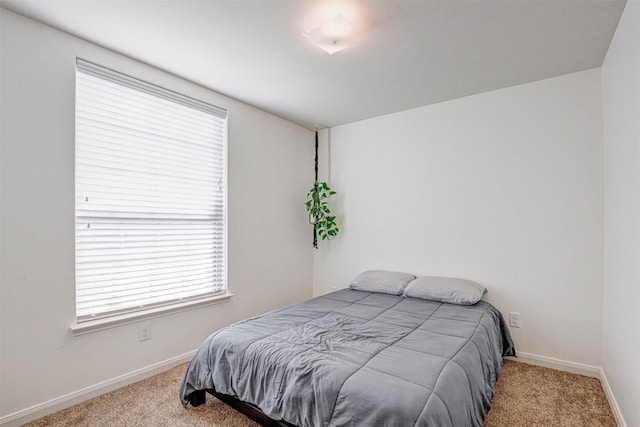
{"x": 526, "y": 395}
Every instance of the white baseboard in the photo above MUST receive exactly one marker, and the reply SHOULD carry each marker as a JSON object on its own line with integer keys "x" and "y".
{"x": 612, "y": 400}
{"x": 576, "y": 368}
{"x": 559, "y": 364}
{"x": 29, "y": 414}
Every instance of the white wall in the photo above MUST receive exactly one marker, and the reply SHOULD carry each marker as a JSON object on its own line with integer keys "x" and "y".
{"x": 270, "y": 263}
{"x": 504, "y": 188}
{"x": 621, "y": 317}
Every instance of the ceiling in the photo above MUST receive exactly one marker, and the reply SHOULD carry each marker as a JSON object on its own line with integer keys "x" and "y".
{"x": 413, "y": 53}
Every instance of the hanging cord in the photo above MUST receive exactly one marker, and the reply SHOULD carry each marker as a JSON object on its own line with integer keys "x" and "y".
{"x": 316, "y": 160}
{"x": 315, "y": 188}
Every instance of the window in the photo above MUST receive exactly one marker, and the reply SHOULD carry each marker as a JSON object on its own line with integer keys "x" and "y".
{"x": 150, "y": 195}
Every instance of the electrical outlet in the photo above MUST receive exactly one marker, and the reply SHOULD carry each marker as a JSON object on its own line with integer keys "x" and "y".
{"x": 514, "y": 320}
{"x": 144, "y": 331}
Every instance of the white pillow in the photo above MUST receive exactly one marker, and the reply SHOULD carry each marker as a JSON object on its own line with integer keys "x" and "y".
{"x": 445, "y": 289}
{"x": 385, "y": 282}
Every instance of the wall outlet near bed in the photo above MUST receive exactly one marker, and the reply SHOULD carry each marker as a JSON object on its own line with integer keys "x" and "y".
{"x": 514, "y": 319}
{"x": 144, "y": 331}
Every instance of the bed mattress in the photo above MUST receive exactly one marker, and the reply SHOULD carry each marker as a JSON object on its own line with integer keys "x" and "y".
{"x": 354, "y": 358}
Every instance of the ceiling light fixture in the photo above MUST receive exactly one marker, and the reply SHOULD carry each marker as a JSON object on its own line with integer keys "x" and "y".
{"x": 334, "y": 35}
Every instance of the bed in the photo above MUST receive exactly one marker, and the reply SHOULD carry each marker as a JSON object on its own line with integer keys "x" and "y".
{"x": 358, "y": 357}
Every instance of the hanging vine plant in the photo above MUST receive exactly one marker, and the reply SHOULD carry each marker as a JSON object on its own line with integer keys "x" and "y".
{"x": 324, "y": 223}
{"x": 319, "y": 213}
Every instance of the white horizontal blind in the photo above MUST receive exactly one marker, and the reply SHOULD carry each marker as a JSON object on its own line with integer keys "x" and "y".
{"x": 150, "y": 195}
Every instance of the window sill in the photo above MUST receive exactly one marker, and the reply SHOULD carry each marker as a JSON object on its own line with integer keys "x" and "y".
{"x": 123, "y": 319}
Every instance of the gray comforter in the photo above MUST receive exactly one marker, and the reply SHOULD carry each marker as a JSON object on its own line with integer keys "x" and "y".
{"x": 353, "y": 358}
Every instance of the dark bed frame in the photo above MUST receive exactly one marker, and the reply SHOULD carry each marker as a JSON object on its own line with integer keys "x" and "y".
{"x": 199, "y": 397}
